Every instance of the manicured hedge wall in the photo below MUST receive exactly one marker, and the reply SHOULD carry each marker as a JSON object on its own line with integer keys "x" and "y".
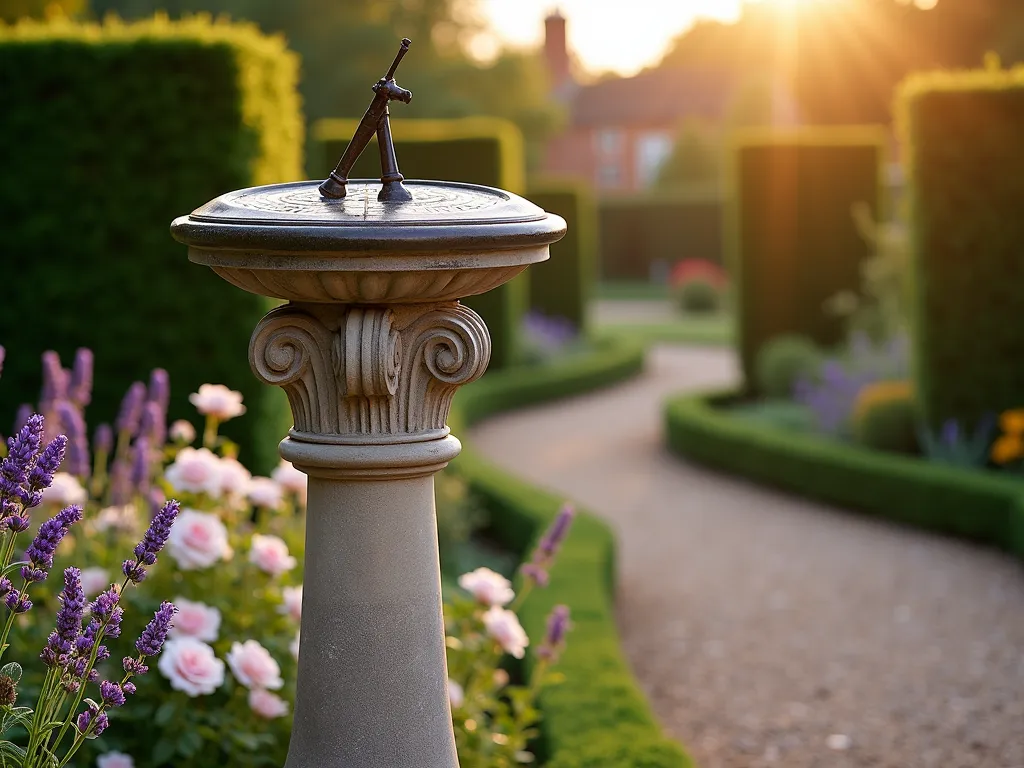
{"x": 563, "y": 285}
{"x": 598, "y": 717}
{"x": 637, "y": 233}
{"x": 475, "y": 150}
{"x": 963, "y": 132}
{"x": 791, "y": 240}
{"x": 968, "y": 503}
{"x": 112, "y": 131}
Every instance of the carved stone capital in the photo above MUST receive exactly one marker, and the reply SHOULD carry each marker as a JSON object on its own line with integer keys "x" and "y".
{"x": 364, "y": 376}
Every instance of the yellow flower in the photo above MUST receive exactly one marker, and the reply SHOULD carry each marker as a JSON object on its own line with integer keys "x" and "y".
{"x": 1007, "y": 448}
{"x": 1012, "y": 422}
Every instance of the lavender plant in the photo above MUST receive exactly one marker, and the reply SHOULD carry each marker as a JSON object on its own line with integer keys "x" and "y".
{"x": 546, "y": 337}
{"x": 957, "y": 446}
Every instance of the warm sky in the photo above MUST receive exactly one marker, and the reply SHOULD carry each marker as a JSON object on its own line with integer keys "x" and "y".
{"x": 619, "y": 35}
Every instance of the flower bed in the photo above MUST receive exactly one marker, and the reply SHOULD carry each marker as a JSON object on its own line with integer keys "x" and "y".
{"x": 598, "y": 716}
{"x": 973, "y": 504}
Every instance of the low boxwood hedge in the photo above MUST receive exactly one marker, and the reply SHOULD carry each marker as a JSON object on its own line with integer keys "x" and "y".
{"x": 967, "y": 503}
{"x": 598, "y": 716}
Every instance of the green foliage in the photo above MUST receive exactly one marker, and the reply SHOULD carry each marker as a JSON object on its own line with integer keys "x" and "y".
{"x": 973, "y": 504}
{"x": 13, "y": 10}
{"x": 791, "y": 240}
{"x": 598, "y": 709}
{"x": 782, "y": 361}
{"x": 780, "y": 414}
{"x": 966, "y": 171}
{"x": 639, "y": 235}
{"x": 563, "y": 285}
{"x": 484, "y": 151}
{"x": 118, "y": 129}
{"x": 885, "y": 417}
{"x": 699, "y": 297}
{"x": 955, "y": 445}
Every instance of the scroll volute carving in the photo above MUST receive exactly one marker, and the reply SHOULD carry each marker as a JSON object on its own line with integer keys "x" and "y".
{"x": 382, "y": 372}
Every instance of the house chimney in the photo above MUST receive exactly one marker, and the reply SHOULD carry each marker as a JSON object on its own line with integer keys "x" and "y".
{"x": 556, "y": 51}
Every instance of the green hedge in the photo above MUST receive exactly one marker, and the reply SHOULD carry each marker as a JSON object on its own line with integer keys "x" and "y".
{"x": 966, "y": 182}
{"x": 112, "y": 131}
{"x": 598, "y": 716}
{"x": 968, "y": 503}
{"x": 791, "y": 240}
{"x": 639, "y": 234}
{"x": 564, "y": 285}
{"x": 474, "y": 150}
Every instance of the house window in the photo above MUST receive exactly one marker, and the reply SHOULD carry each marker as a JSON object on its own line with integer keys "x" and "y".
{"x": 652, "y": 150}
{"x": 609, "y": 175}
{"x": 609, "y": 141}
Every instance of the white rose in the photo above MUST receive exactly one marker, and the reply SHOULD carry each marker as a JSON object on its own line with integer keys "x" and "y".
{"x": 291, "y": 479}
{"x": 267, "y": 704}
{"x": 122, "y": 518}
{"x": 198, "y": 540}
{"x": 487, "y": 587}
{"x": 191, "y": 666}
{"x": 218, "y": 401}
{"x": 264, "y": 492}
{"x": 504, "y": 627}
{"x": 182, "y": 431}
{"x": 115, "y": 760}
{"x": 195, "y": 619}
{"x": 196, "y": 470}
{"x": 294, "y": 645}
{"x": 94, "y": 581}
{"x": 253, "y": 666}
{"x": 234, "y": 478}
{"x": 455, "y": 694}
{"x": 64, "y": 490}
{"x": 292, "y": 602}
{"x": 270, "y": 555}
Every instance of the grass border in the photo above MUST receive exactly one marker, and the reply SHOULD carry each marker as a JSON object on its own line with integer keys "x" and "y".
{"x": 940, "y": 498}
{"x": 598, "y": 716}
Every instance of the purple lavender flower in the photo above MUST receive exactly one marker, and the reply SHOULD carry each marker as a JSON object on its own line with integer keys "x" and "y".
{"x": 78, "y": 444}
{"x": 120, "y": 482}
{"x": 92, "y": 721}
{"x": 22, "y": 451}
{"x": 131, "y": 409}
{"x": 135, "y": 667}
{"x": 17, "y": 601}
{"x": 103, "y": 439}
{"x": 55, "y": 381}
{"x": 40, "y": 551}
{"x": 46, "y": 466}
{"x": 153, "y": 424}
{"x": 111, "y": 693}
{"x": 558, "y": 625}
{"x": 159, "y": 388}
{"x": 3, "y": 354}
{"x": 16, "y": 523}
{"x": 151, "y": 641}
{"x": 21, "y": 417}
{"x": 84, "y": 644}
{"x": 69, "y": 620}
{"x": 129, "y": 687}
{"x": 538, "y": 574}
{"x": 536, "y": 570}
{"x": 5, "y": 586}
{"x": 80, "y": 388}
{"x": 153, "y": 541}
{"x": 141, "y": 466}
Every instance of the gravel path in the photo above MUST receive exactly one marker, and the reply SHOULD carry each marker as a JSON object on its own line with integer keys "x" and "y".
{"x": 770, "y": 631}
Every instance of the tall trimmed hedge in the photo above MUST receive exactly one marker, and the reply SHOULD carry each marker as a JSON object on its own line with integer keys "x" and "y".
{"x": 963, "y": 131}
{"x": 111, "y": 131}
{"x": 791, "y": 240}
{"x": 473, "y": 150}
{"x": 563, "y": 285}
{"x": 639, "y": 234}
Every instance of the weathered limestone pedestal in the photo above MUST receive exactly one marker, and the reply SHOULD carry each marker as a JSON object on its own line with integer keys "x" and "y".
{"x": 370, "y": 349}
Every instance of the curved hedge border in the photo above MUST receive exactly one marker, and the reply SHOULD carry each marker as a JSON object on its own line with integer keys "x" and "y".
{"x": 960, "y": 502}
{"x": 598, "y": 717}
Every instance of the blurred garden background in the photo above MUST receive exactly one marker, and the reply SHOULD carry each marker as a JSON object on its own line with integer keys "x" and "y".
{"x": 776, "y": 359}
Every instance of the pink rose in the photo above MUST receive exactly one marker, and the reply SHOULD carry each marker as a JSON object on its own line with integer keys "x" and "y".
{"x": 270, "y": 554}
{"x": 94, "y": 581}
{"x": 266, "y": 493}
{"x": 487, "y": 587}
{"x": 267, "y": 704}
{"x": 198, "y": 540}
{"x": 504, "y": 627}
{"x": 253, "y": 666}
{"x": 234, "y": 478}
{"x": 182, "y": 431}
{"x": 191, "y": 666}
{"x": 195, "y": 619}
{"x": 291, "y": 479}
{"x": 115, "y": 760}
{"x": 196, "y": 470}
{"x": 218, "y": 401}
{"x": 64, "y": 490}
{"x": 292, "y": 602}
{"x": 455, "y": 694}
